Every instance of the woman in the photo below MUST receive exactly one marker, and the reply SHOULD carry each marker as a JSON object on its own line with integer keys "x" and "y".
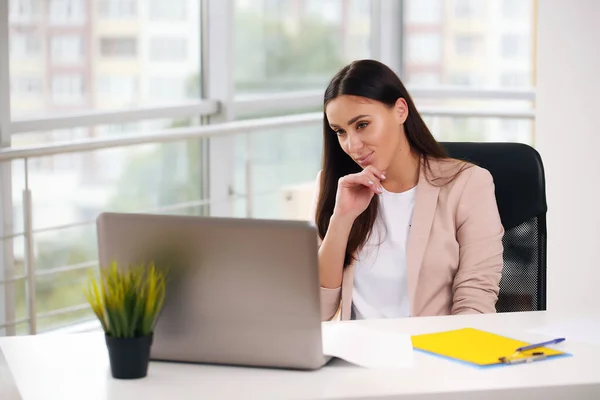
{"x": 404, "y": 230}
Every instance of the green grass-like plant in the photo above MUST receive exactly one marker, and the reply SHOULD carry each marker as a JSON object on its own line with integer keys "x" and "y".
{"x": 127, "y": 301}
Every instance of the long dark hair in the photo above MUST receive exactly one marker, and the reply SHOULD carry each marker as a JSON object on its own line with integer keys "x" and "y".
{"x": 373, "y": 80}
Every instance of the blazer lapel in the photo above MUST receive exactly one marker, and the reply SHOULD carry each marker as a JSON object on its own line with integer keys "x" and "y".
{"x": 425, "y": 204}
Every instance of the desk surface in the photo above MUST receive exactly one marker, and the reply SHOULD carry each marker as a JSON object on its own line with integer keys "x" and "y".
{"x": 76, "y": 367}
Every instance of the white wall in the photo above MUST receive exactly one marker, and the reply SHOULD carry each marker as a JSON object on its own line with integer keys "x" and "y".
{"x": 568, "y": 138}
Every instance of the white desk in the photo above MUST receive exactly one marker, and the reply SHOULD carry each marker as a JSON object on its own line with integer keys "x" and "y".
{"x": 76, "y": 367}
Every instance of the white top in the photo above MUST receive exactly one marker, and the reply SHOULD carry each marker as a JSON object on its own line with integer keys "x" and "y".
{"x": 75, "y": 367}
{"x": 380, "y": 288}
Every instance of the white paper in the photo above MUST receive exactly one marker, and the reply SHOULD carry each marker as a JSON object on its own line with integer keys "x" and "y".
{"x": 585, "y": 330}
{"x": 367, "y": 347}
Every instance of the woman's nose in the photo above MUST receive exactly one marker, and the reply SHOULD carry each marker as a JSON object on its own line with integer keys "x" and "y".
{"x": 353, "y": 143}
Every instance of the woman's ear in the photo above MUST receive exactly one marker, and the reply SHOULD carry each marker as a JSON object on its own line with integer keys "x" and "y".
{"x": 401, "y": 110}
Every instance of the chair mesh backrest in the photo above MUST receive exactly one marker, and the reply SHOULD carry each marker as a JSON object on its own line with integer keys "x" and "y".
{"x": 522, "y": 287}
{"x": 521, "y": 196}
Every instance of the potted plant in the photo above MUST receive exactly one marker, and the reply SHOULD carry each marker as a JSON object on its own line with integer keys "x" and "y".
{"x": 127, "y": 302}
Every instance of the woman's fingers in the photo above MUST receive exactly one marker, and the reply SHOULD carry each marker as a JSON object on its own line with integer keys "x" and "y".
{"x": 364, "y": 178}
{"x": 371, "y": 169}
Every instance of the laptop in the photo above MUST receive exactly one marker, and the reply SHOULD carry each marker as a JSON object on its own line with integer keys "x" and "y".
{"x": 240, "y": 292}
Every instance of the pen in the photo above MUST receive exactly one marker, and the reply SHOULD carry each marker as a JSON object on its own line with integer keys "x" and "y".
{"x": 542, "y": 344}
{"x": 534, "y": 357}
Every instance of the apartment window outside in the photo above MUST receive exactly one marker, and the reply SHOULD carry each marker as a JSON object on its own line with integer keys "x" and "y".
{"x": 117, "y": 9}
{"x": 119, "y": 47}
{"x": 424, "y": 48}
{"x": 424, "y": 78}
{"x": 466, "y": 45}
{"x": 166, "y": 88}
{"x": 26, "y": 85}
{"x": 168, "y": 49}
{"x": 470, "y": 35}
{"x": 515, "y": 9}
{"x": 462, "y": 79}
{"x": 122, "y": 88}
{"x": 469, "y": 8}
{"x": 67, "y": 11}
{"x": 513, "y": 46}
{"x": 67, "y": 88}
{"x": 286, "y": 46}
{"x": 101, "y": 49}
{"x": 25, "y": 45}
{"x": 515, "y": 79}
{"x": 172, "y": 10}
{"x": 24, "y": 10}
{"x": 424, "y": 12}
{"x": 67, "y": 49}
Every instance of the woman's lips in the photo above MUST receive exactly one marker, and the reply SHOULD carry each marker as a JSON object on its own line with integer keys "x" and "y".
{"x": 365, "y": 160}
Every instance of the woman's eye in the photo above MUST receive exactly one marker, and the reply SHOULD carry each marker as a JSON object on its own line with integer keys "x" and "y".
{"x": 339, "y": 132}
{"x": 362, "y": 125}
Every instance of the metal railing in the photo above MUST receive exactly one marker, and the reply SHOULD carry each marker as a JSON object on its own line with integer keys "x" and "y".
{"x": 246, "y": 127}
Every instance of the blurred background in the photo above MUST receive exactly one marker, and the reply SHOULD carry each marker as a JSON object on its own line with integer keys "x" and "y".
{"x": 213, "y": 107}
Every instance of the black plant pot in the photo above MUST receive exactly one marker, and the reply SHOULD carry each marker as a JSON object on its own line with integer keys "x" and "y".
{"x": 129, "y": 357}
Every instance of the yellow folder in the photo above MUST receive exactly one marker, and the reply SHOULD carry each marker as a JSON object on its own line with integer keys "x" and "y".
{"x": 475, "y": 346}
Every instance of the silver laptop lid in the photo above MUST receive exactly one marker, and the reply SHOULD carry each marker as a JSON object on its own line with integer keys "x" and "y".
{"x": 241, "y": 291}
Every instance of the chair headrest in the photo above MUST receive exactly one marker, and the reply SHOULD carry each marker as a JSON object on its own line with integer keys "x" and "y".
{"x": 518, "y": 175}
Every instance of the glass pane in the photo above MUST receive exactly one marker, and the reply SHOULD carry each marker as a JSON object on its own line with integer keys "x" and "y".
{"x": 284, "y": 165}
{"x": 469, "y": 43}
{"x": 455, "y": 129}
{"x": 74, "y": 188}
{"x": 47, "y": 323}
{"x": 75, "y": 55}
{"x": 22, "y": 328}
{"x": 297, "y": 45}
{"x": 70, "y": 190}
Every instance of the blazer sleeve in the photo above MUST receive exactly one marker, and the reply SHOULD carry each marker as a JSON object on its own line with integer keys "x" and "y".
{"x": 330, "y": 298}
{"x": 479, "y": 234}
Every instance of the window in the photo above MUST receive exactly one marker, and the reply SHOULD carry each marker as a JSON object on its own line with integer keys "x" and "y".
{"x": 515, "y": 9}
{"x": 67, "y": 49}
{"x": 515, "y": 79}
{"x": 168, "y": 49}
{"x": 425, "y": 78}
{"x": 67, "y": 11}
{"x": 424, "y": 48}
{"x": 172, "y": 10}
{"x": 118, "y": 47}
{"x": 466, "y": 45}
{"x": 480, "y": 51}
{"x": 67, "y": 88}
{"x": 117, "y": 9}
{"x": 25, "y": 45}
{"x": 462, "y": 79}
{"x": 424, "y": 12}
{"x": 514, "y": 46}
{"x": 109, "y": 41}
{"x": 121, "y": 87}
{"x": 166, "y": 88}
{"x": 469, "y": 8}
{"x": 24, "y": 10}
{"x": 26, "y": 85}
{"x": 286, "y": 46}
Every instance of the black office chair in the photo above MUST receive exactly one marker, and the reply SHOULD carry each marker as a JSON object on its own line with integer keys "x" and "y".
{"x": 519, "y": 178}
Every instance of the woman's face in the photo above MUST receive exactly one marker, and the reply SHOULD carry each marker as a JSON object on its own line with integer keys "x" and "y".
{"x": 368, "y": 131}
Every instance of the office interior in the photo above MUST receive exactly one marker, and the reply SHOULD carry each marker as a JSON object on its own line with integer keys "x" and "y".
{"x": 214, "y": 108}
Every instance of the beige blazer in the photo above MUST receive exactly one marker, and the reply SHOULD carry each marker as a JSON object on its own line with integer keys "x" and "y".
{"x": 454, "y": 250}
